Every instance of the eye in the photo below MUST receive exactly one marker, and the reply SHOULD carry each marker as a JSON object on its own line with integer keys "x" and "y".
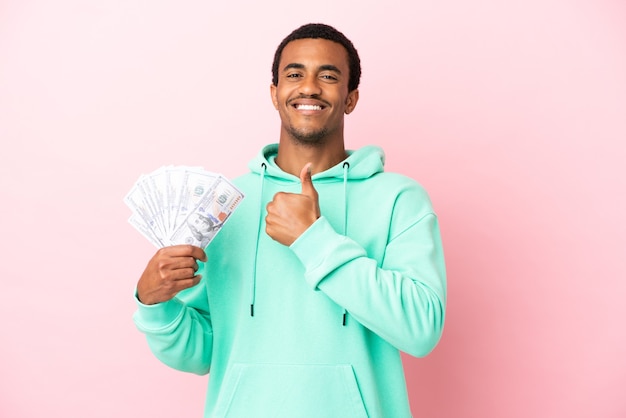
{"x": 328, "y": 77}
{"x": 293, "y": 75}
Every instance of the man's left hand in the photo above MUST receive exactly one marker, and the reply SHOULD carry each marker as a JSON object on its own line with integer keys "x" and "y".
{"x": 290, "y": 214}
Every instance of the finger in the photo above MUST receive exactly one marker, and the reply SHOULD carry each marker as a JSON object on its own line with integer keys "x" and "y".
{"x": 185, "y": 263}
{"x": 307, "y": 183}
{"x": 182, "y": 274}
{"x": 183, "y": 284}
{"x": 187, "y": 283}
{"x": 202, "y": 255}
{"x": 185, "y": 250}
{"x": 198, "y": 253}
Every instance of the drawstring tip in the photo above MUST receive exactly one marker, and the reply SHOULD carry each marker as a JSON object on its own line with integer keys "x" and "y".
{"x": 344, "y": 319}
{"x": 252, "y": 310}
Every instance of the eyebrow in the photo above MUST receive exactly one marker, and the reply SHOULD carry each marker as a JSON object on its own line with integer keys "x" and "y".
{"x": 325, "y": 67}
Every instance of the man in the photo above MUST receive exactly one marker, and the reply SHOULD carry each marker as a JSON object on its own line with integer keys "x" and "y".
{"x": 327, "y": 270}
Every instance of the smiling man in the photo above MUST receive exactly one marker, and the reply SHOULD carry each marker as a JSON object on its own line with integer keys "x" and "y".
{"x": 313, "y": 94}
{"x": 329, "y": 268}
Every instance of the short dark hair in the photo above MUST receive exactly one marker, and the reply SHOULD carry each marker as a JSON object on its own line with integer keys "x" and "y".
{"x": 321, "y": 31}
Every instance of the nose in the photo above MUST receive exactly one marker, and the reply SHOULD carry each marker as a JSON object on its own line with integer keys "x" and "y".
{"x": 310, "y": 86}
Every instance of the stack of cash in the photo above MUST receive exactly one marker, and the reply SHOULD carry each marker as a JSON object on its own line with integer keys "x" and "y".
{"x": 181, "y": 205}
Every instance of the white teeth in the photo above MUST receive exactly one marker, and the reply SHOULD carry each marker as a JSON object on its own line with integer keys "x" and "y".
{"x": 308, "y": 107}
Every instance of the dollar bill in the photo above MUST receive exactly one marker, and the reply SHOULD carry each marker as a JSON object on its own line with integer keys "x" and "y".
{"x": 193, "y": 187}
{"x": 205, "y": 220}
{"x": 140, "y": 202}
{"x": 181, "y": 205}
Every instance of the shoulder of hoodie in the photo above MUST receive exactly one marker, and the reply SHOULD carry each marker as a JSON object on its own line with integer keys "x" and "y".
{"x": 397, "y": 183}
{"x": 403, "y": 188}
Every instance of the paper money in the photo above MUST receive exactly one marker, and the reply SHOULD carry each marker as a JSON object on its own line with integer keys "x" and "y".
{"x": 181, "y": 205}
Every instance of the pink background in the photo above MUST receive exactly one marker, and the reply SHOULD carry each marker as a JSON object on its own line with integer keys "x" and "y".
{"x": 511, "y": 113}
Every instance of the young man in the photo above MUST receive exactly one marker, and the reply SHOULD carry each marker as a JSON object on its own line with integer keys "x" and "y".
{"x": 327, "y": 270}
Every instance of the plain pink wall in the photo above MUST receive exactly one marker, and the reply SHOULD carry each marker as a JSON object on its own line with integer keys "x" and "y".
{"x": 511, "y": 113}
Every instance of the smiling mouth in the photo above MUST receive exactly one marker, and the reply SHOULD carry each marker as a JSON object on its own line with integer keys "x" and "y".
{"x": 308, "y": 107}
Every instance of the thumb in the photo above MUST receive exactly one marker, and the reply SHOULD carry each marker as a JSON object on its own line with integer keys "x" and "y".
{"x": 307, "y": 184}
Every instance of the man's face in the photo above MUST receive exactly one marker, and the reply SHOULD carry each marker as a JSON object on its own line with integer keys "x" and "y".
{"x": 312, "y": 92}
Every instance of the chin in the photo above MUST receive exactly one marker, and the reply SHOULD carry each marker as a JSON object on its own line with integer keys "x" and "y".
{"x": 309, "y": 137}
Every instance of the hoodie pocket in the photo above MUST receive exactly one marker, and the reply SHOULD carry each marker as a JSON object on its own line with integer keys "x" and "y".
{"x": 293, "y": 391}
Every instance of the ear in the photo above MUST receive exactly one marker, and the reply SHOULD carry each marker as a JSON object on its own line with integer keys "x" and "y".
{"x": 273, "y": 94}
{"x": 351, "y": 101}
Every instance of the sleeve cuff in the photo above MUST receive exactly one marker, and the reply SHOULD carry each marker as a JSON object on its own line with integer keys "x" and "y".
{"x": 158, "y": 316}
{"x": 322, "y": 250}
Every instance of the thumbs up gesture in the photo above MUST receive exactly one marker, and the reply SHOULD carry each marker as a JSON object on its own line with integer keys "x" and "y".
{"x": 290, "y": 214}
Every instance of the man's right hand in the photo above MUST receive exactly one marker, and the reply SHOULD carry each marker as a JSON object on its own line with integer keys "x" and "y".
{"x": 171, "y": 270}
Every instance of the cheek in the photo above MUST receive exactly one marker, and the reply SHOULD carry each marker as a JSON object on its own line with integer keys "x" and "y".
{"x": 280, "y": 100}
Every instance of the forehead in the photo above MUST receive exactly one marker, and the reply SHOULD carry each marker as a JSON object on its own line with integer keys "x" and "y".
{"x": 313, "y": 53}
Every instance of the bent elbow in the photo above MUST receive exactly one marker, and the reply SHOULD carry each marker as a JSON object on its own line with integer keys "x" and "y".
{"x": 424, "y": 344}
{"x": 427, "y": 335}
{"x": 197, "y": 367}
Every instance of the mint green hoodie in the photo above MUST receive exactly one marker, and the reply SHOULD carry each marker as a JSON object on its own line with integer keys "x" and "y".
{"x": 314, "y": 329}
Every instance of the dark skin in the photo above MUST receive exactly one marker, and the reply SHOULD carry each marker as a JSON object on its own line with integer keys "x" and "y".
{"x": 311, "y": 98}
{"x": 169, "y": 271}
{"x": 290, "y": 214}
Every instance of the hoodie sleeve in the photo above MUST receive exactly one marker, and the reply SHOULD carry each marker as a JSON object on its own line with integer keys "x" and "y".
{"x": 402, "y": 297}
{"x": 179, "y": 331}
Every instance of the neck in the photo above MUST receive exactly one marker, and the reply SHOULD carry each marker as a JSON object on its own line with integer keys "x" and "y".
{"x": 292, "y": 156}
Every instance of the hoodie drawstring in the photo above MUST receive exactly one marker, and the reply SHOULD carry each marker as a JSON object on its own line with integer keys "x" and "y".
{"x": 258, "y": 237}
{"x": 346, "y": 166}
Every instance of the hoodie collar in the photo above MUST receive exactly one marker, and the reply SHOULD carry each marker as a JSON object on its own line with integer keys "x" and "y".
{"x": 364, "y": 163}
